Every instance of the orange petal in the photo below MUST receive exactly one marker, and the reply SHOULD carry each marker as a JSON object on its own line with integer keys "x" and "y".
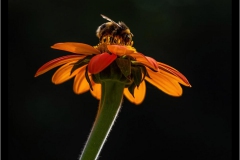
{"x": 80, "y": 84}
{"x": 139, "y": 94}
{"x": 96, "y": 92}
{"x": 166, "y": 84}
{"x": 120, "y": 50}
{"x": 100, "y": 62}
{"x": 74, "y": 47}
{"x": 172, "y": 72}
{"x": 57, "y": 62}
{"x": 64, "y": 73}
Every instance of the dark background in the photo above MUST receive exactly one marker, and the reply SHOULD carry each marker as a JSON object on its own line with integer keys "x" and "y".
{"x": 50, "y": 122}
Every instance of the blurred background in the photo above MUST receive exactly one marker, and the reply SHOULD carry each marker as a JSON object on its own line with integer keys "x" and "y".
{"x": 50, "y": 122}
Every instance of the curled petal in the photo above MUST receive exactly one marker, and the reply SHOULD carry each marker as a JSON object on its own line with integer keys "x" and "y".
{"x": 100, "y": 62}
{"x": 139, "y": 94}
{"x": 96, "y": 92}
{"x": 80, "y": 84}
{"x": 172, "y": 72}
{"x": 147, "y": 61}
{"x": 152, "y": 61}
{"x": 78, "y": 48}
{"x": 64, "y": 73}
{"x": 121, "y": 50}
{"x": 130, "y": 51}
{"x": 57, "y": 62}
{"x": 167, "y": 84}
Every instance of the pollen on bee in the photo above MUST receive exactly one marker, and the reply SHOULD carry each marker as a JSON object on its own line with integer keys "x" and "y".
{"x": 109, "y": 39}
{"x": 131, "y": 43}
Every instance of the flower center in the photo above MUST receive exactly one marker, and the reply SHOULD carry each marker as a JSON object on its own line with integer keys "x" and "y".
{"x": 125, "y": 39}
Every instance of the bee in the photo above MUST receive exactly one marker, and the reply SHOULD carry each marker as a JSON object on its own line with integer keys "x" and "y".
{"x": 114, "y": 33}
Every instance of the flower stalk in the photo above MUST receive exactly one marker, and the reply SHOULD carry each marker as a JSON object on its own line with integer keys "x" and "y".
{"x": 109, "y": 107}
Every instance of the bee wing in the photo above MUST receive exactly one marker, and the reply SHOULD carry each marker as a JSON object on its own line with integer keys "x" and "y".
{"x": 105, "y": 17}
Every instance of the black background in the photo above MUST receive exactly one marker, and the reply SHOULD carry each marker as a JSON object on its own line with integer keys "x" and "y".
{"x": 50, "y": 122}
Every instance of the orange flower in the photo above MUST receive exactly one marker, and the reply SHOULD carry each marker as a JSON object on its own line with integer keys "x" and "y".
{"x": 89, "y": 61}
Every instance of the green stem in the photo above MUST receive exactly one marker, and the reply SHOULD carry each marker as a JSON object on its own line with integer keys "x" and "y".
{"x": 109, "y": 106}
